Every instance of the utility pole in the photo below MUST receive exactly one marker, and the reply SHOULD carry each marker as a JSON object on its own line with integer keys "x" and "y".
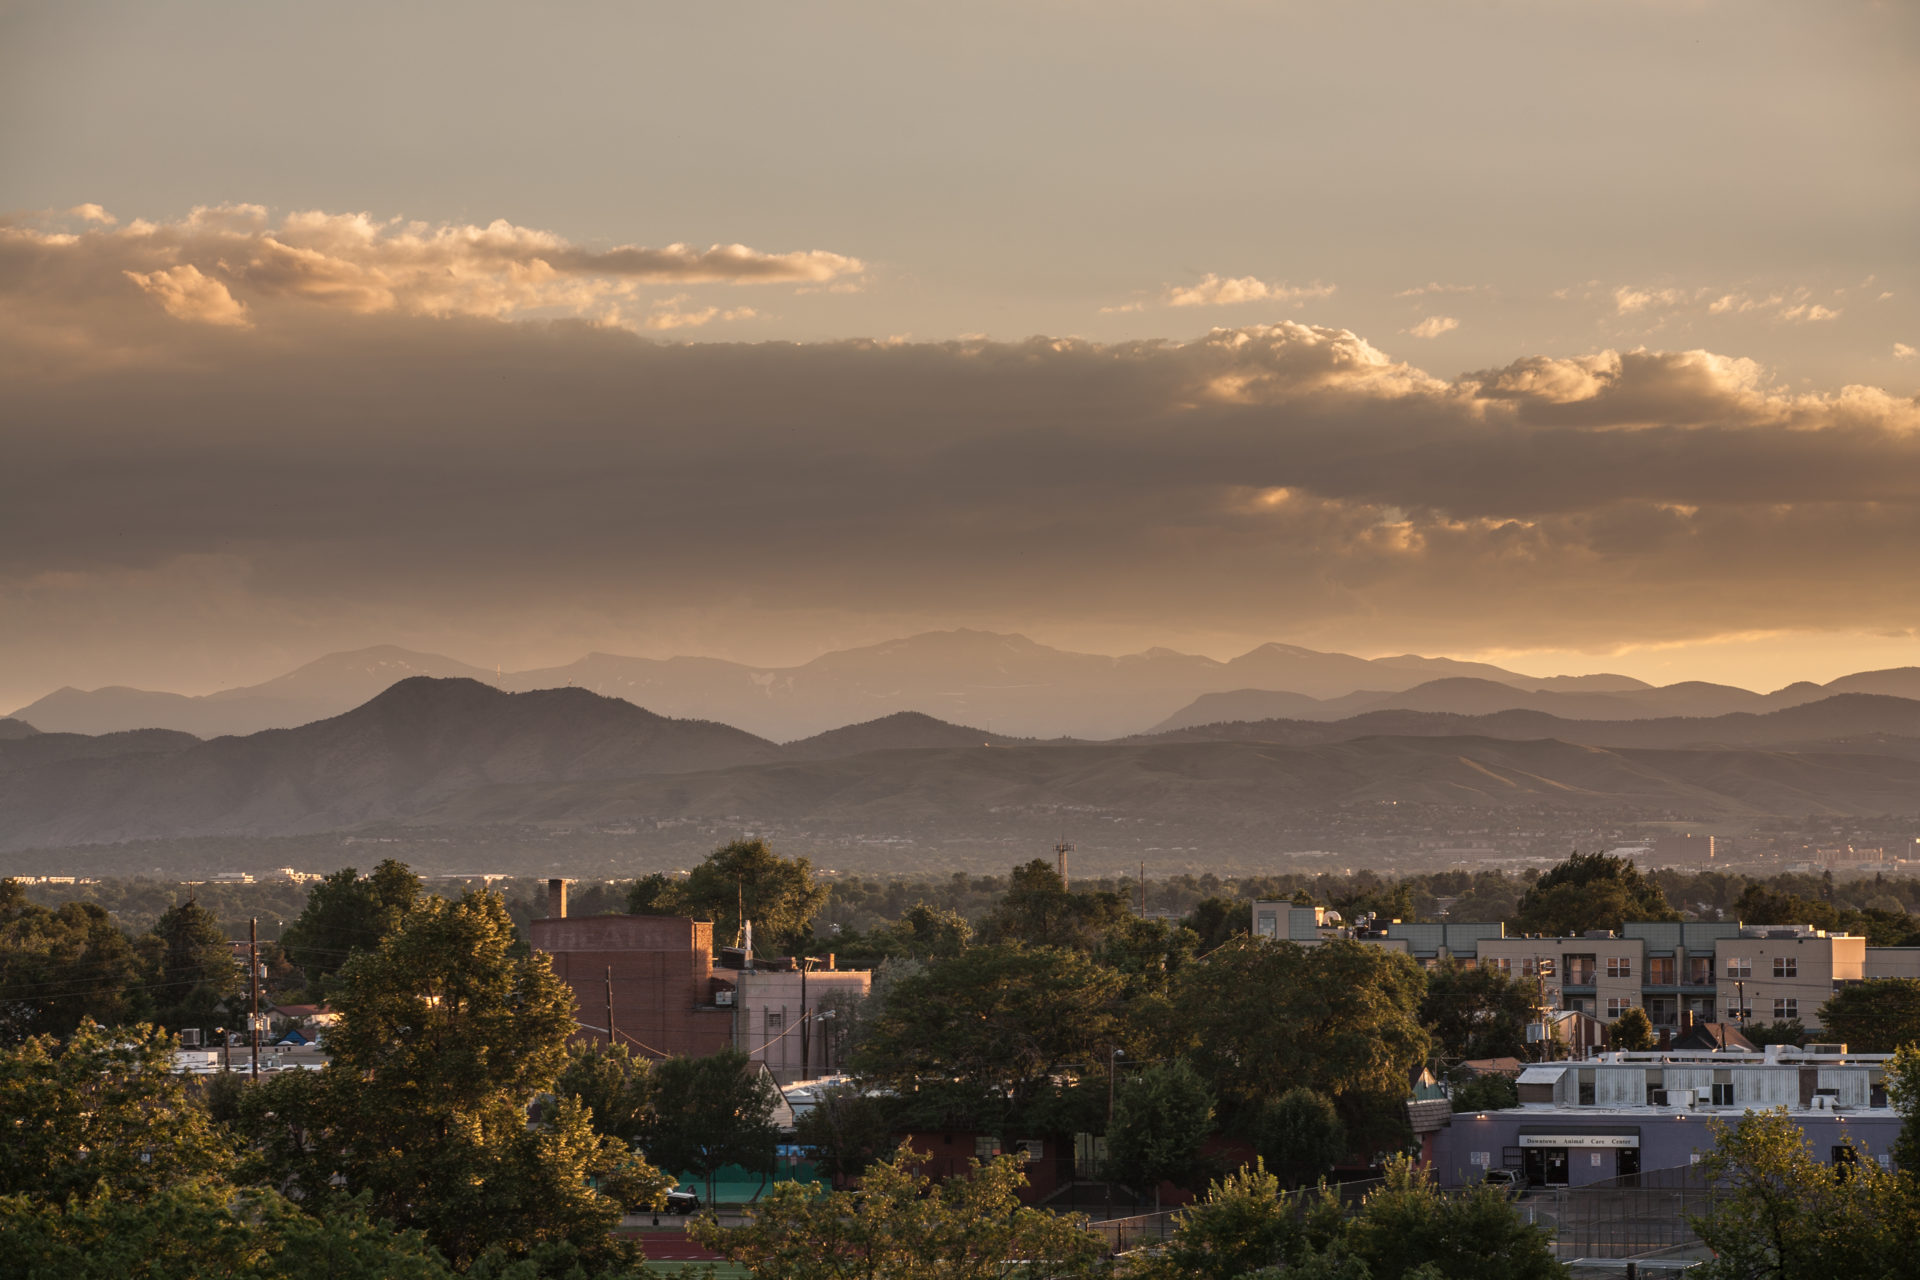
{"x": 1060, "y": 851}
{"x": 1143, "y": 889}
{"x": 253, "y": 982}
{"x": 609, "y": 1006}
{"x": 806, "y": 1016}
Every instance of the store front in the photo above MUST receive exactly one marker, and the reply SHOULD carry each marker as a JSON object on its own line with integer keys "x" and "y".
{"x": 1563, "y": 1156}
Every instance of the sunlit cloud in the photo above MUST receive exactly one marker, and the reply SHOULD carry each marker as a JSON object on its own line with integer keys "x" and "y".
{"x": 220, "y": 264}
{"x": 1220, "y": 291}
{"x": 1434, "y": 326}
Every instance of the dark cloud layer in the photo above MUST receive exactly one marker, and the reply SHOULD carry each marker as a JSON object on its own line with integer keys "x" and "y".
{"x": 335, "y": 457}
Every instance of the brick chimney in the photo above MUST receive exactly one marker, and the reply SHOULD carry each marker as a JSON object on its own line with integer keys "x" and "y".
{"x": 556, "y": 899}
{"x": 1686, "y": 1020}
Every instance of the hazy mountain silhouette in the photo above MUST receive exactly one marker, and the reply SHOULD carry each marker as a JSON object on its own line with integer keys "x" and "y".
{"x": 10, "y": 729}
{"x": 1004, "y": 683}
{"x": 460, "y": 753}
{"x": 1473, "y": 697}
{"x": 325, "y": 687}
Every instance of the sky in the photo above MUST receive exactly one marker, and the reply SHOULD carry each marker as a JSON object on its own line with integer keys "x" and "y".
{"x": 1571, "y": 335}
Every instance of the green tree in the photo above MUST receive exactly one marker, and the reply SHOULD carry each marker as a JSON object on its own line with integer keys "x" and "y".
{"x": 1783, "y": 1214}
{"x": 1632, "y": 1031}
{"x": 448, "y": 1033}
{"x": 778, "y": 894}
{"x": 923, "y": 933}
{"x": 1215, "y": 920}
{"x": 1903, "y": 1089}
{"x": 58, "y": 967}
{"x": 1591, "y": 891}
{"x": 847, "y": 1129}
{"x": 196, "y": 977}
{"x": 1243, "y": 1224}
{"x": 1476, "y": 1012}
{"x": 1001, "y": 1017}
{"x": 1409, "y": 1224}
{"x": 1257, "y": 1018}
{"x": 1780, "y": 1031}
{"x": 612, "y": 1084}
{"x": 102, "y": 1112}
{"x": 1489, "y": 1092}
{"x": 348, "y": 913}
{"x": 1040, "y": 911}
{"x": 1874, "y": 1017}
{"x": 709, "y": 1113}
{"x": 206, "y": 1227}
{"x": 1161, "y": 1117}
{"x": 1299, "y": 1136}
{"x": 901, "y": 1224}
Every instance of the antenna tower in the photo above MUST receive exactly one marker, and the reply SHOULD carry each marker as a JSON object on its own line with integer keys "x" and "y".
{"x": 1060, "y": 852}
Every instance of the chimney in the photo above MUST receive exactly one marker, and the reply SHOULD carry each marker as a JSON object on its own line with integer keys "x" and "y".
{"x": 1686, "y": 1020}
{"x": 829, "y": 961}
{"x": 556, "y": 899}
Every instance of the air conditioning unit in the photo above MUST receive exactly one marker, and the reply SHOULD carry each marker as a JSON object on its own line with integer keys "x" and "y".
{"x": 1822, "y": 1102}
{"x": 190, "y": 1038}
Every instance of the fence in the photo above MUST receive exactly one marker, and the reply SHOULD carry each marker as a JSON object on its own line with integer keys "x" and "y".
{"x": 1641, "y": 1215}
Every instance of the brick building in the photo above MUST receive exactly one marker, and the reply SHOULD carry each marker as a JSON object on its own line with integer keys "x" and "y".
{"x": 666, "y": 999}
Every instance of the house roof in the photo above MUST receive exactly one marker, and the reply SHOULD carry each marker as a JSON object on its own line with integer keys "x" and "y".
{"x": 1713, "y": 1037}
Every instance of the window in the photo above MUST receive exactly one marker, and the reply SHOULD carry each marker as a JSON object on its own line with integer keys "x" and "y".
{"x": 1586, "y": 1093}
{"x": 1700, "y": 971}
{"x": 1734, "y": 1013}
{"x": 1739, "y": 967}
{"x": 1619, "y": 966}
{"x": 1580, "y": 971}
{"x": 1786, "y": 966}
{"x": 1617, "y": 1005}
{"x": 1659, "y": 971}
{"x": 1267, "y": 925}
{"x": 1785, "y": 1009}
{"x": 776, "y": 1022}
{"x": 1723, "y": 1095}
{"x": 985, "y": 1148}
{"x": 1501, "y": 963}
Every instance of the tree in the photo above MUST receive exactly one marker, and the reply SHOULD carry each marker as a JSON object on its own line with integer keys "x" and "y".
{"x": 1903, "y": 1089}
{"x": 102, "y": 1112}
{"x": 1779, "y": 1031}
{"x": 447, "y": 1035}
{"x": 1299, "y": 1136}
{"x": 1877, "y": 1016}
{"x": 612, "y": 1084}
{"x": 1409, "y": 1224}
{"x": 1215, "y": 920}
{"x": 923, "y": 933}
{"x": 1489, "y": 1092}
{"x": 847, "y": 1129}
{"x": 778, "y": 894}
{"x": 709, "y": 1113}
{"x": 1476, "y": 1012}
{"x": 902, "y": 1224}
{"x": 1002, "y": 1017}
{"x": 1257, "y": 1018}
{"x": 196, "y": 974}
{"x": 1243, "y": 1225}
{"x": 1782, "y": 1213}
{"x": 1040, "y": 911}
{"x": 1632, "y": 1031}
{"x": 206, "y": 1227}
{"x": 1591, "y": 891}
{"x": 59, "y": 967}
{"x": 1161, "y": 1116}
{"x": 348, "y": 913}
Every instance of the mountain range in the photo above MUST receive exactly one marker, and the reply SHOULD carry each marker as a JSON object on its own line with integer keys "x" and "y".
{"x": 459, "y": 753}
{"x": 1006, "y": 683}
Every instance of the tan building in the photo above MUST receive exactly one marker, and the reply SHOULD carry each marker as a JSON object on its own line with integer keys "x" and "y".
{"x": 784, "y": 1018}
{"x": 1892, "y": 962}
{"x": 1599, "y": 973}
{"x": 1771, "y": 973}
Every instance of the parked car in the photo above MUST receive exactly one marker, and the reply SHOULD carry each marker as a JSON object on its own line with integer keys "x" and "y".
{"x": 1511, "y": 1181}
{"x": 683, "y": 1200}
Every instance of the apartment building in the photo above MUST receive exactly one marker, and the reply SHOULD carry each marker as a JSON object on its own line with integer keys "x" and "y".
{"x": 1713, "y": 971}
{"x": 784, "y": 1017}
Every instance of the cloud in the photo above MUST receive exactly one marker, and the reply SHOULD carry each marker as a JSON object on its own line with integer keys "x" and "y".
{"x": 1435, "y": 287}
{"x": 1901, "y": 351}
{"x": 185, "y": 294}
{"x": 418, "y": 472}
{"x": 222, "y": 264}
{"x": 1434, "y": 326}
{"x": 1628, "y": 300}
{"x": 1217, "y": 291}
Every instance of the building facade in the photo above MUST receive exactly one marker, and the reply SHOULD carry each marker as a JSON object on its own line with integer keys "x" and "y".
{"x": 1628, "y": 1113}
{"x": 785, "y": 1018}
{"x": 655, "y": 974}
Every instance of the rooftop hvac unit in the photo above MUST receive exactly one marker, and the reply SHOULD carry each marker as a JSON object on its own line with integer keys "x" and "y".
{"x": 1822, "y": 1102}
{"x": 724, "y": 999}
{"x": 190, "y": 1038}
